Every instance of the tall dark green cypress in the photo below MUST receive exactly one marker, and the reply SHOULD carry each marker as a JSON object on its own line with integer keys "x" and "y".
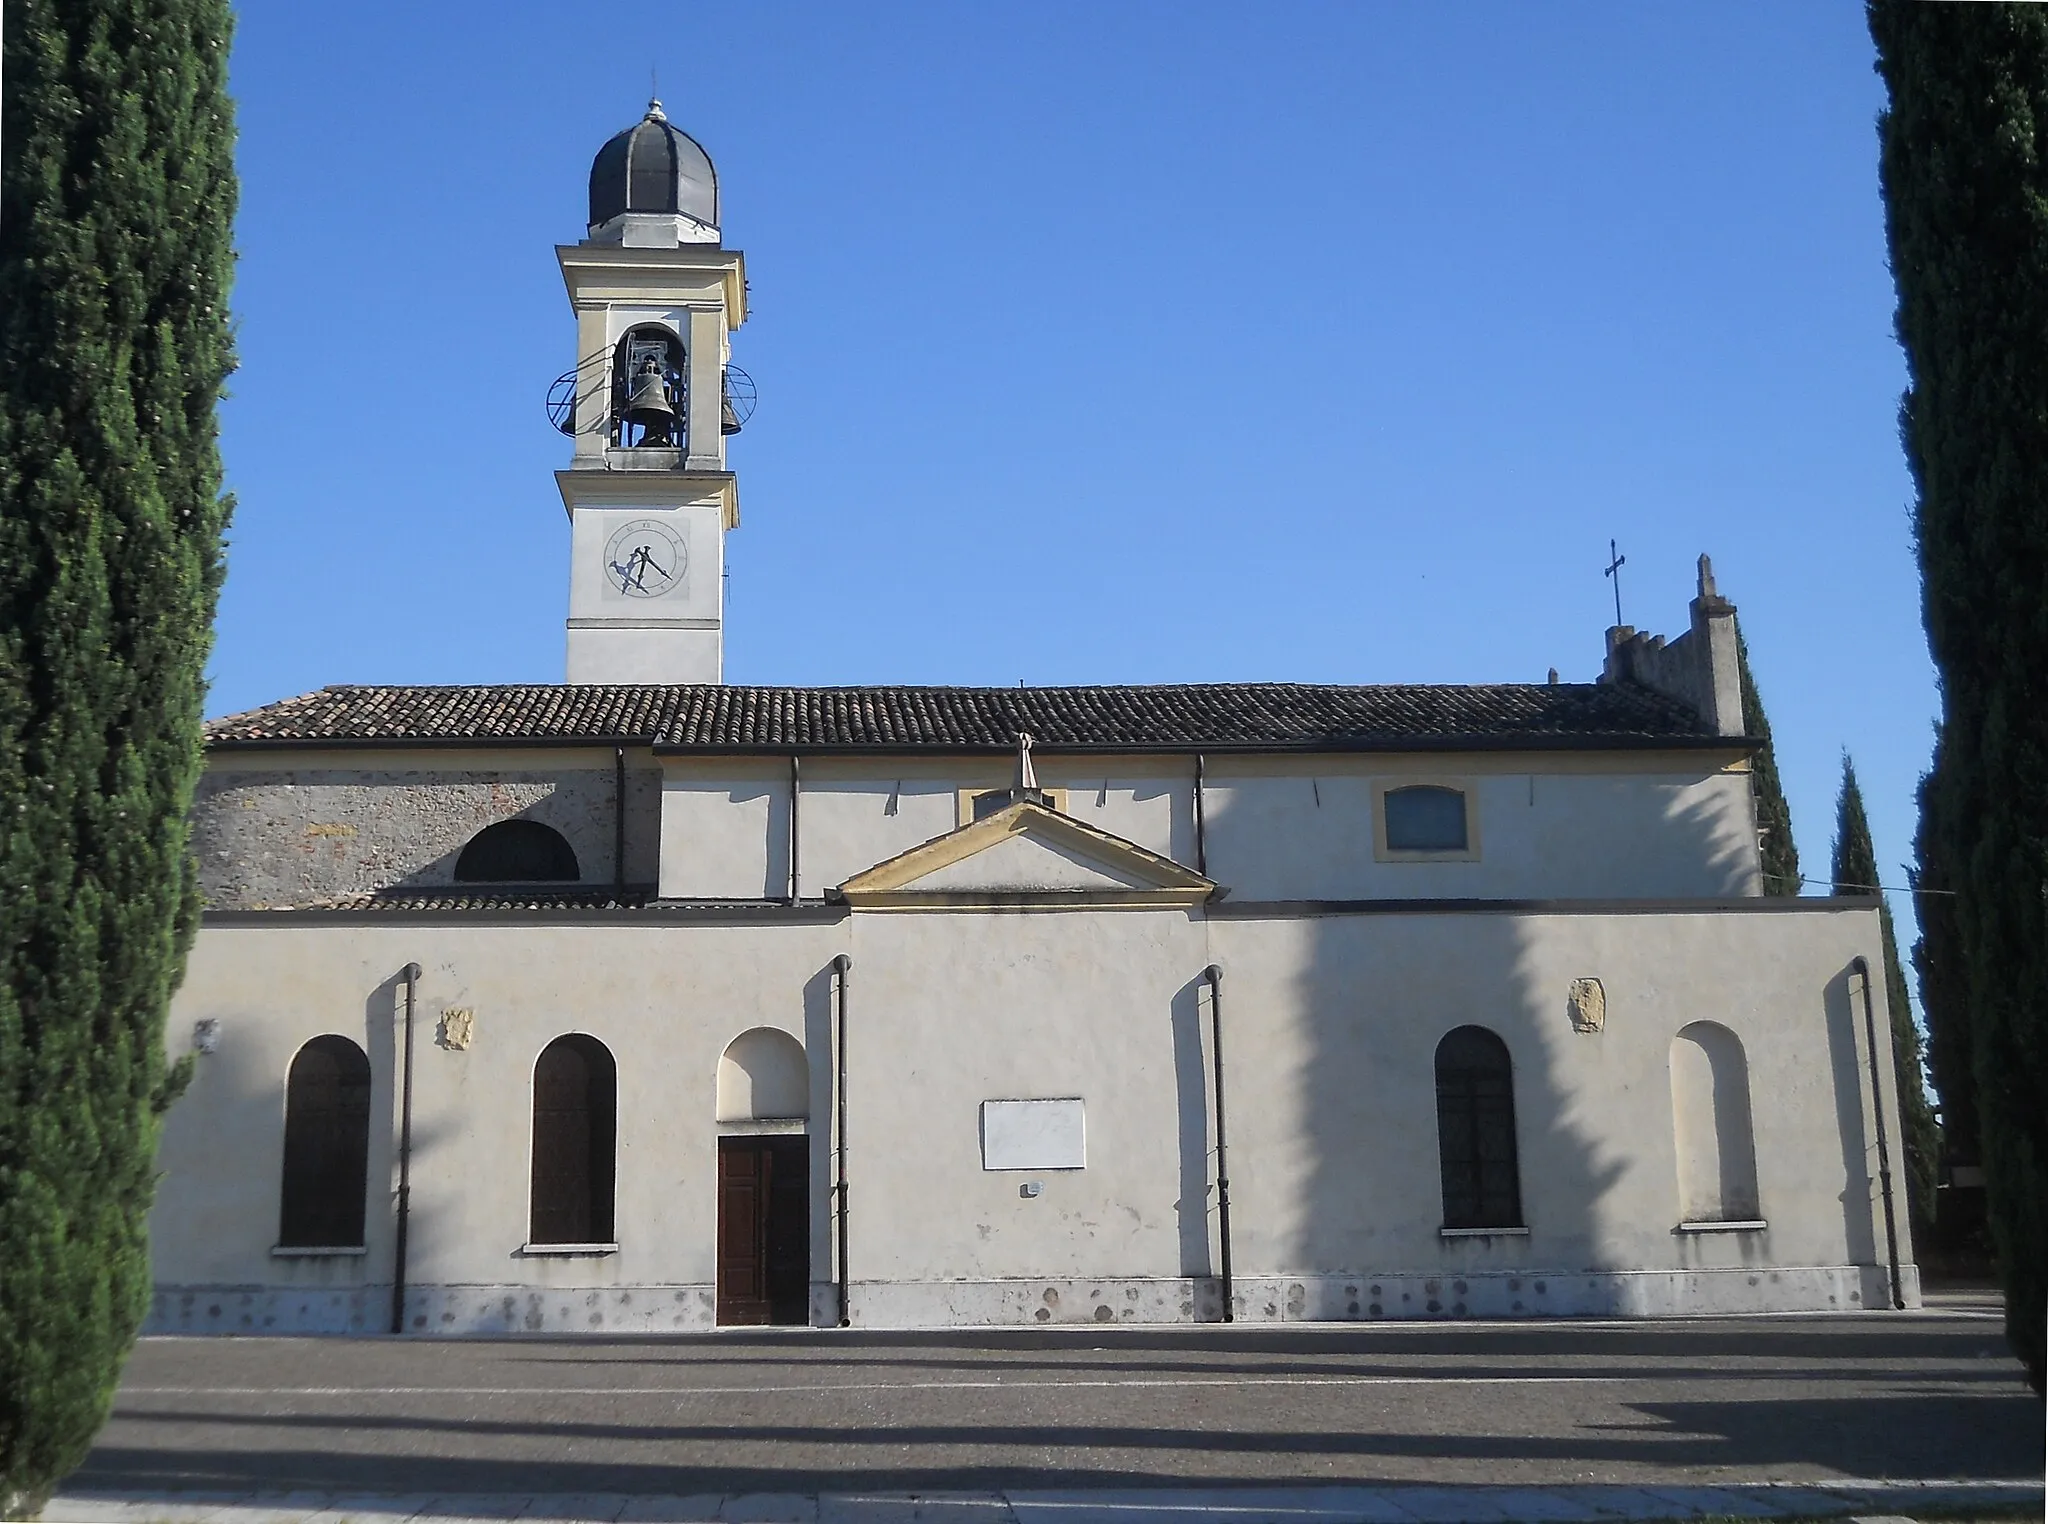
{"x": 117, "y": 197}
{"x": 1965, "y": 175}
{"x": 1855, "y": 875}
{"x": 1773, "y": 813}
{"x": 1937, "y": 959}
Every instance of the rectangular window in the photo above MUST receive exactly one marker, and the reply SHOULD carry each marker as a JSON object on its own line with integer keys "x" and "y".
{"x": 1424, "y": 822}
{"x": 1034, "y": 1135}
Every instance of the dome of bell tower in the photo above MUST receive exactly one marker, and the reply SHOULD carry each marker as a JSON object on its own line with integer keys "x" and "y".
{"x": 653, "y": 183}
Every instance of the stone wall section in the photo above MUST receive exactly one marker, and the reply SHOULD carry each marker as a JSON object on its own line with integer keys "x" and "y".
{"x": 300, "y": 837}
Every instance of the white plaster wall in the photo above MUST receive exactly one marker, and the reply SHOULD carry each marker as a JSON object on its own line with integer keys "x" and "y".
{"x": 950, "y": 1010}
{"x": 725, "y": 832}
{"x": 1599, "y": 826}
{"x": 856, "y": 813}
{"x": 1331, "y": 1030}
{"x": 1612, "y": 825}
{"x": 1331, "y": 1024}
{"x": 666, "y": 999}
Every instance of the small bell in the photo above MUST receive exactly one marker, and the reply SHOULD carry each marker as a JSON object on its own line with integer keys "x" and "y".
{"x": 728, "y": 420}
{"x": 648, "y": 406}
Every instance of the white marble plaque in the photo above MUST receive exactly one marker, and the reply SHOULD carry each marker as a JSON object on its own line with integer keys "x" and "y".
{"x": 1033, "y": 1135}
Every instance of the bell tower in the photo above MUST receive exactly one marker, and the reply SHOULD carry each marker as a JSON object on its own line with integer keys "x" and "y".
{"x": 649, "y": 406}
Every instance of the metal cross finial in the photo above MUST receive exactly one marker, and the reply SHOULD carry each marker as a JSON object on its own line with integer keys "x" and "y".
{"x": 1027, "y": 775}
{"x": 1616, "y": 562}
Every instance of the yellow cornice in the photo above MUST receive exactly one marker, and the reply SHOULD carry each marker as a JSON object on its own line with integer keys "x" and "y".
{"x": 613, "y": 272}
{"x": 651, "y": 489}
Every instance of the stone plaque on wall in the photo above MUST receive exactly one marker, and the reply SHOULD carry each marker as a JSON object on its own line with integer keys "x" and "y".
{"x": 1589, "y": 1005}
{"x": 458, "y": 1027}
{"x": 1033, "y": 1135}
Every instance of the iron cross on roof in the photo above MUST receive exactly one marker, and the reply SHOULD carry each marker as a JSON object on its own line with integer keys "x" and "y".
{"x": 1615, "y": 563}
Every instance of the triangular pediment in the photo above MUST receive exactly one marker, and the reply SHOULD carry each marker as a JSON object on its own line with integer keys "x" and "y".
{"x": 1028, "y": 854}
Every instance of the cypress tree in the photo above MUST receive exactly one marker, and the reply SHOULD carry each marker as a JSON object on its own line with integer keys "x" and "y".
{"x": 117, "y": 195}
{"x": 1937, "y": 959}
{"x": 1773, "y": 814}
{"x": 1855, "y": 874}
{"x": 1965, "y": 174}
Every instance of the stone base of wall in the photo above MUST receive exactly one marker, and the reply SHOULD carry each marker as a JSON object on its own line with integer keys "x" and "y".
{"x": 446, "y": 1310}
{"x": 985, "y": 1304}
{"x": 1604, "y": 1293}
{"x": 488, "y": 1310}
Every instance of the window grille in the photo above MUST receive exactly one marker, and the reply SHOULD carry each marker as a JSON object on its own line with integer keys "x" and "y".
{"x": 1426, "y": 817}
{"x": 575, "y": 1138}
{"x": 1475, "y": 1126}
{"x": 326, "y": 1146}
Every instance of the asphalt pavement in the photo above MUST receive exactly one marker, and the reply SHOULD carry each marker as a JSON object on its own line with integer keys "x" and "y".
{"x": 1899, "y": 1397}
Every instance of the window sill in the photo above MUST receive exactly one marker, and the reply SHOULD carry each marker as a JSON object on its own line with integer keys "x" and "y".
{"x": 567, "y": 1251}
{"x": 1732, "y": 1225}
{"x": 1482, "y": 1232}
{"x": 739, "y": 1126}
{"x": 317, "y": 1251}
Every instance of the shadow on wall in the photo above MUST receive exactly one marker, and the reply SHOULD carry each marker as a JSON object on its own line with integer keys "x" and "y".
{"x": 1384, "y": 990}
{"x": 1846, "y": 1061}
{"x": 580, "y": 807}
{"x": 1191, "y": 1062}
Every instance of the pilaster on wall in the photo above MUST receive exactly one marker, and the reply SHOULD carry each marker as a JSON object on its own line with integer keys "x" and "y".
{"x": 1701, "y": 668}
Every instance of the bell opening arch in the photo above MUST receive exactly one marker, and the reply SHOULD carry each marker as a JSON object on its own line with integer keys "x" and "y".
{"x": 650, "y": 389}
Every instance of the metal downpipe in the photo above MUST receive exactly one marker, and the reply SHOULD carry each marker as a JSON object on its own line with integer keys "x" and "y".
{"x": 411, "y": 975}
{"x": 843, "y": 967}
{"x": 1214, "y": 975}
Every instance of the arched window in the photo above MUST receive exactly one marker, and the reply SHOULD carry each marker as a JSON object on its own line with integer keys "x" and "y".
{"x": 517, "y": 852}
{"x": 326, "y": 1146}
{"x": 1475, "y": 1130}
{"x": 1711, "y": 1126}
{"x": 762, "y": 1076}
{"x": 1425, "y": 817}
{"x": 575, "y": 1137}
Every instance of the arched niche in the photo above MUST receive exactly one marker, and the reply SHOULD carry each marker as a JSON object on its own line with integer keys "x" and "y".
{"x": 1711, "y": 1126}
{"x": 763, "y": 1077}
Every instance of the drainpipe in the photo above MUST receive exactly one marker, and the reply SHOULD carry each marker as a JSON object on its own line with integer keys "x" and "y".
{"x": 1201, "y": 821}
{"x": 796, "y": 794}
{"x": 843, "y": 967}
{"x": 1884, "y": 1157}
{"x": 411, "y": 975}
{"x": 618, "y": 817}
{"x": 1214, "y": 975}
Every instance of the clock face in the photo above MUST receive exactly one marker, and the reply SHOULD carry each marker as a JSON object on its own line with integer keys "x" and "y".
{"x": 645, "y": 559}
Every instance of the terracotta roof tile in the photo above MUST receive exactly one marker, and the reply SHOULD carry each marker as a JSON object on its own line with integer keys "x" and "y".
{"x": 1220, "y": 716}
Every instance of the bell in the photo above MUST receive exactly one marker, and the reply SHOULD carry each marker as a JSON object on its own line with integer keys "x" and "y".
{"x": 648, "y": 406}
{"x": 728, "y": 420}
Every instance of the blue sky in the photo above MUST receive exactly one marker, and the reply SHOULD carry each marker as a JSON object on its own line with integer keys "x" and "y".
{"x": 1108, "y": 343}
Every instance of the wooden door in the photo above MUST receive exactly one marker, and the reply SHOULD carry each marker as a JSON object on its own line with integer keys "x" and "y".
{"x": 745, "y": 1178}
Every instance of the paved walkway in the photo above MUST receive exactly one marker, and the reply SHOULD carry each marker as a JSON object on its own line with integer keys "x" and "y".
{"x": 1874, "y": 1502}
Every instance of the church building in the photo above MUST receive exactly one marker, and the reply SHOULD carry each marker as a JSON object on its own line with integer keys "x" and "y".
{"x": 647, "y": 1003}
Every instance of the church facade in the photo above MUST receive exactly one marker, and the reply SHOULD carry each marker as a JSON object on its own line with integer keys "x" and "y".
{"x": 647, "y": 1003}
